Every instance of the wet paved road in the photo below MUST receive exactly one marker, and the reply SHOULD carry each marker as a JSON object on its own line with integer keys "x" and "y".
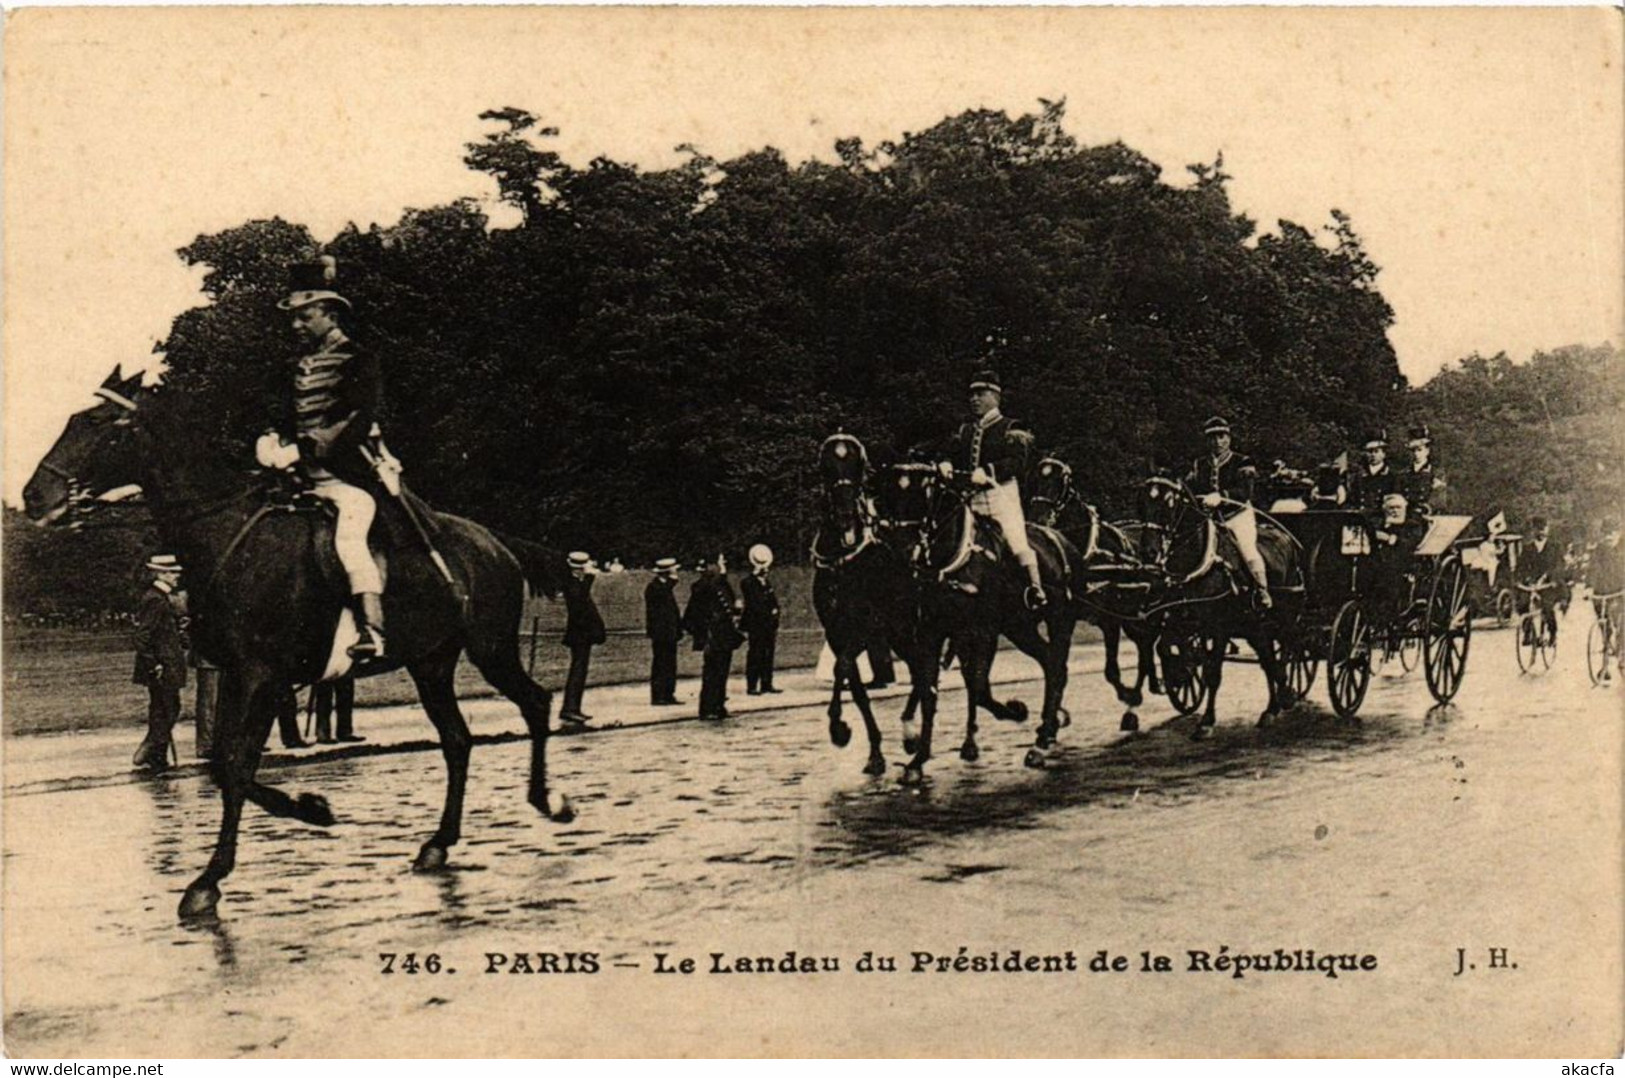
{"x": 1492, "y": 823}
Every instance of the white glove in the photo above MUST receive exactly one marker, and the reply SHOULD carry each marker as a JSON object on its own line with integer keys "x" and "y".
{"x": 389, "y": 470}
{"x": 980, "y": 478}
{"x": 945, "y": 469}
{"x": 1212, "y": 499}
{"x": 272, "y": 452}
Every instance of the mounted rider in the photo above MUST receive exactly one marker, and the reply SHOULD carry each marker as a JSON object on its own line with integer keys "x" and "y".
{"x": 1223, "y": 482}
{"x": 994, "y": 450}
{"x": 326, "y": 426}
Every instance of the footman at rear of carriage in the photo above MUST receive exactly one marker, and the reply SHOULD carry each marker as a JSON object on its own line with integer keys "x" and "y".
{"x": 1373, "y": 480}
{"x": 325, "y": 425}
{"x": 160, "y": 659}
{"x": 1223, "y": 482}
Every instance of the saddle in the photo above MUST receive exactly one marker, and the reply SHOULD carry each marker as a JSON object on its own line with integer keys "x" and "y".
{"x": 1276, "y": 546}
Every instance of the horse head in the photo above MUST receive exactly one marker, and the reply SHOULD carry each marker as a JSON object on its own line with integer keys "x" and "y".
{"x": 92, "y": 457}
{"x": 1176, "y": 532}
{"x": 923, "y": 515}
{"x": 843, "y": 467}
{"x": 1050, "y": 491}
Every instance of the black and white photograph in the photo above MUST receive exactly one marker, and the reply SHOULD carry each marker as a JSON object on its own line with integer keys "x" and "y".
{"x": 813, "y": 532}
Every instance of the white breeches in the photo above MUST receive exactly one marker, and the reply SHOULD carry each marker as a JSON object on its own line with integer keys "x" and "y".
{"x": 1244, "y": 528}
{"x": 355, "y": 511}
{"x": 1003, "y": 504}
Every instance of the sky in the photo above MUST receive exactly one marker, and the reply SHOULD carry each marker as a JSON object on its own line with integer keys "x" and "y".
{"x": 1479, "y": 152}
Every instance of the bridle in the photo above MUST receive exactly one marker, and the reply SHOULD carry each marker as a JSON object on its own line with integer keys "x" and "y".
{"x": 1068, "y": 495}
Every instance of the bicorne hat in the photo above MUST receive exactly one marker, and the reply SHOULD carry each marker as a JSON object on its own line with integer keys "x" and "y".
{"x": 312, "y": 282}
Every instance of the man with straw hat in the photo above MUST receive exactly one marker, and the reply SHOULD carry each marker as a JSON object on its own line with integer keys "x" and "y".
{"x": 160, "y": 659}
{"x": 663, "y": 624}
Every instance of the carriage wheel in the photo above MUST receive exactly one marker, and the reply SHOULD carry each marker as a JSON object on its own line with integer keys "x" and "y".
{"x": 1448, "y": 628}
{"x": 1505, "y": 607}
{"x": 1348, "y": 660}
{"x": 1299, "y": 667}
{"x": 1597, "y": 652}
{"x": 1186, "y": 684}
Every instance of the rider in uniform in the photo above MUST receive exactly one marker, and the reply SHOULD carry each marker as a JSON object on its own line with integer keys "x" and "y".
{"x": 327, "y": 425}
{"x": 1223, "y": 483}
{"x": 993, "y": 449}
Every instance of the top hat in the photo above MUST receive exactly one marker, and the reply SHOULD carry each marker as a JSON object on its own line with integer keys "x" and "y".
{"x": 1419, "y": 433}
{"x": 1216, "y": 425}
{"x": 1377, "y": 440}
{"x": 761, "y": 555}
{"x": 312, "y": 282}
{"x": 985, "y": 379}
{"x": 164, "y": 563}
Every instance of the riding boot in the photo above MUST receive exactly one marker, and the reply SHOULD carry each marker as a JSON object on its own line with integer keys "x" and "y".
{"x": 1260, "y": 578}
{"x": 369, "y": 622}
{"x": 1035, "y": 589}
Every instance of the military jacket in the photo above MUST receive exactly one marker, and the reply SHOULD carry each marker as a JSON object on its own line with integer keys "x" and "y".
{"x": 1001, "y": 448}
{"x": 1232, "y": 479}
{"x": 709, "y": 617}
{"x": 329, "y": 402}
{"x": 1367, "y": 488}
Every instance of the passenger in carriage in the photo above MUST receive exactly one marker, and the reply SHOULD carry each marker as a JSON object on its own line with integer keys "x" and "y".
{"x": 1331, "y": 484}
{"x": 1223, "y": 483}
{"x": 994, "y": 450}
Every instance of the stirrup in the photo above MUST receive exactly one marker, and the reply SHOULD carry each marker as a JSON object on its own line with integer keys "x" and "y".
{"x": 368, "y": 648}
{"x": 1035, "y": 598}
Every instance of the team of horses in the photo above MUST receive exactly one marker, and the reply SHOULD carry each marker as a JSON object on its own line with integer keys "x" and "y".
{"x": 898, "y": 555}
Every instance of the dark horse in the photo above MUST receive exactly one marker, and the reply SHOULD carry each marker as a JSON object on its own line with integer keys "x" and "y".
{"x": 1206, "y": 599}
{"x": 266, "y": 595}
{"x": 972, "y": 591}
{"x": 862, "y": 589}
{"x": 1110, "y": 582}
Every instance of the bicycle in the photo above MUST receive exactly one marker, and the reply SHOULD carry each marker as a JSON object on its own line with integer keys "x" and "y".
{"x": 1536, "y": 633}
{"x": 1602, "y": 643}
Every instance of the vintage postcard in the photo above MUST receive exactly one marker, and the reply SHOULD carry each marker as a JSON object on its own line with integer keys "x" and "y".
{"x": 836, "y": 532}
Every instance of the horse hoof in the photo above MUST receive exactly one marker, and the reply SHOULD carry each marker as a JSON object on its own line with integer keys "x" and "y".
{"x": 1266, "y": 718}
{"x": 1016, "y": 711}
{"x": 911, "y": 745}
{"x": 1045, "y": 739}
{"x": 1135, "y": 698}
{"x": 969, "y": 753}
{"x": 1034, "y": 759}
{"x": 1130, "y": 723}
{"x": 875, "y": 766}
{"x": 1202, "y": 732}
{"x": 431, "y": 858}
{"x": 559, "y": 809}
{"x": 913, "y": 775}
{"x": 840, "y": 734}
{"x": 313, "y": 809}
{"x": 199, "y": 901}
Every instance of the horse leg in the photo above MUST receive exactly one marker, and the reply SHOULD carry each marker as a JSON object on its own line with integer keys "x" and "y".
{"x": 840, "y": 734}
{"x": 1280, "y": 697}
{"x": 876, "y": 764}
{"x": 499, "y": 665}
{"x": 976, "y": 664}
{"x": 1213, "y": 668}
{"x": 924, "y": 674}
{"x": 239, "y": 733}
{"x": 434, "y": 677}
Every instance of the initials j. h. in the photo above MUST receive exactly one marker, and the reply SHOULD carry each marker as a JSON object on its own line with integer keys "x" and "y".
{"x": 1498, "y": 960}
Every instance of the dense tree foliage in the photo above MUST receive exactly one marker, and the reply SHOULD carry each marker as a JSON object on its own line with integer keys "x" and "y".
{"x": 643, "y": 362}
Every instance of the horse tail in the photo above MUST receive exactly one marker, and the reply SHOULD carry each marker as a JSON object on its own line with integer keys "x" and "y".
{"x": 543, "y": 566}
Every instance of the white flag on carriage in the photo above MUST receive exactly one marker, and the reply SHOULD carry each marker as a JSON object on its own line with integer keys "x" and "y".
{"x": 1497, "y": 524}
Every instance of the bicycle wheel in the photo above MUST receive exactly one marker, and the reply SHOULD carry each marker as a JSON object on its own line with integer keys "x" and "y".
{"x": 1597, "y": 652}
{"x": 1526, "y": 638}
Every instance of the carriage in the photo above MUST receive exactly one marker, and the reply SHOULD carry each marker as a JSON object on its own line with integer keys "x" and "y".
{"x": 1364, "y": 601}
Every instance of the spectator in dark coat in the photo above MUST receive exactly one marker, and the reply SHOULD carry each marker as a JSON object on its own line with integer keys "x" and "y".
{"x": 330, "y": 700}
{"x": 760, "y": 622}
{"x": 663, "y": 624}
{"x": 160, "y": 659}
{"x": 583, "y": 630}
{"x": 709, "y": 619}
